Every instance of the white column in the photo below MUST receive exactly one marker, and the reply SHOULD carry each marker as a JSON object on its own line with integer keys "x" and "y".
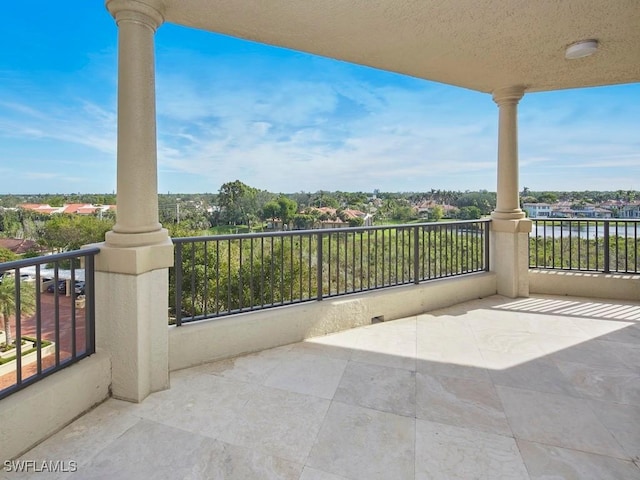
{"x": 137, "y": 213}
{"x": 132, "y": 266}
{"x": 509, "y": 256}
{"x": 508, "y": 201}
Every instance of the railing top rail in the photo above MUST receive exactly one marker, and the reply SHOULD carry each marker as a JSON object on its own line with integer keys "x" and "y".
{"x": 586, "y": 219}
{"x": 28, "y": 262}
{"x": 286, "y": 233}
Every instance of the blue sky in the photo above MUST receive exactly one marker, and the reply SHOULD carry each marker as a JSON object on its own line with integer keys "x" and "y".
{"x": 281, "y": 120}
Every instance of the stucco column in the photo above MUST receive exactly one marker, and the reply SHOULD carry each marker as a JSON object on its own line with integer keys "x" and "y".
{"x": 132, "y": 266}
{"x": 137, "y": 213}
{"x": 508, "y": 202}
{"x": 509, "y": 256}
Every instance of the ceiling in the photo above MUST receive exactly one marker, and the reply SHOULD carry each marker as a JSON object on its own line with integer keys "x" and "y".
{"x": 482, "y": 45}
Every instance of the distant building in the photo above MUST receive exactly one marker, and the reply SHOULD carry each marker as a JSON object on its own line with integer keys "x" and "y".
{"x": 71, "y": 208}
{"x": 20, "y": 245}
{"x": 537, "y": 210}
{"x": 336, "y": 222}
{"x": 630, "y": 210}
{"x": 570, "y": 210}
{"x": 425, "y": 207}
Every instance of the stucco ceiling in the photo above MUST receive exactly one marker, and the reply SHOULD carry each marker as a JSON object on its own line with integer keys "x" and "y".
{"x": 478, "y": 44}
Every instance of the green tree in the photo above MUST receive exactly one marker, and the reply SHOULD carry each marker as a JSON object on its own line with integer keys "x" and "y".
{"x": 7, "y": 255}
{"x": 324, "y": 199}
{"x": 8, "y": 304}
{"x": 70, "y": 232}
{"x": 469, "y": 213}
{"x": 547, "y": 197}
{"x": 303, "y": 221}
{"x": 236, "y": 201}
{"x": 485, "y": 201}
{"x": 436, "y": 213}
{"x": 403, "y": 213}
{"x": 270, "y": 210}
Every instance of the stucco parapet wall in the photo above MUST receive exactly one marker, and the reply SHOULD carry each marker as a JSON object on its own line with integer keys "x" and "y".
{"x": 522, "y": 225}
{"x": 135, "y": 11}
{"x": 134, "y": 260}
{"x": 209, "y": 340}
{"x": 36, "y": 412}
{"x": 615, "y": 286}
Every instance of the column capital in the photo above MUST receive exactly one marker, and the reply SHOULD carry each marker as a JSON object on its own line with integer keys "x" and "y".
{"x": 135, "y": 11}
{"x": 508, "y": 95}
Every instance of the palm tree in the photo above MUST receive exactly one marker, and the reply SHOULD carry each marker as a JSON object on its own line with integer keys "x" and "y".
{"x": 8, "y": 303}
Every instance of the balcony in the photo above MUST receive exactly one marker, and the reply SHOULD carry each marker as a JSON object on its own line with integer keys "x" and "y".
{"x": 513, "y": 385}
{"x": 491, "y": 388}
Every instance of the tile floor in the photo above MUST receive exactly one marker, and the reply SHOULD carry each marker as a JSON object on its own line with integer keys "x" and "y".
{"x": 537, "y": 388}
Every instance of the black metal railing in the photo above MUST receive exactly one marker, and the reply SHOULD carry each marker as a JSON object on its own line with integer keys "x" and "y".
{"x": 226, "y": 274}
{"x": 603, "y": 245}
{"x": 47, "y": 316}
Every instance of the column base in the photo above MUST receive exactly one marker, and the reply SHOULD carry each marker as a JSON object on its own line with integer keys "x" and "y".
{"x": 132, "y": 304}
{"x": 132, "y": 326}
{"x": 509, "y": 256}
{"x": 134, "y": 260}
{"x": 510, "y": 215}
{"x": 117, "y": 239}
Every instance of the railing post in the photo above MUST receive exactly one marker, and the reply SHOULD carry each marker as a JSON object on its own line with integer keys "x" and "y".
{"x": 319, "y": 294}
{"x": 89, "y": 295}
{"x": 177, "y": 276}
{"x": 416, "y": 255}
{"x": 486, "y": 245}
{"x": 607, "y": 260}
{"x": 18, "y": 329}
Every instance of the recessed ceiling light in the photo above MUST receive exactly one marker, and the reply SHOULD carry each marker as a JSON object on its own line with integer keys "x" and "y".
{"x": 580, "y": 49}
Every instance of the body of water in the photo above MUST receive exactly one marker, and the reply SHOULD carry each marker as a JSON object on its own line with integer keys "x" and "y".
{"x": 585, "y": 230}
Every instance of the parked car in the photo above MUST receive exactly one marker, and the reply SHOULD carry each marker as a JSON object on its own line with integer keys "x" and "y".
{"x": 79, "y": 287}
{"x": 62, "y": 287}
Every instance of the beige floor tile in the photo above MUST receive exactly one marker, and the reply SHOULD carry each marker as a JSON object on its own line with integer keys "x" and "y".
{"x": 443, "y": 326}
{"x": 314, "y": 346}
{"x": 381, "y": 388}
{"x": 308, "y": 374}
{"x": 178, "y": 454}
{"x": 518, "y": 343}
{"x": 450, "y": 357}
{"x": 467, "y": 372}
{"x": 347, "y": 339}
{"x": 400, "y": 326}
{"x": 205, "y": 404}
{"x": 314, "y": 474}
{"x": 546, "y": 462}
{"x": 87, "y": 436}
{"x": 255, "y": 367}
{"x": 455, "y": 453}
{"x": 557, "y": 420}
{"x": 539, "y": 374}
{"x": 462, "y": 402}
{"x": 628, "y": 334}
{"x": 610, "y": 383}
{"x": 493, "y": 360}
{"x": 602, "y": 327}
{"x": 397, "y": 349}
{"x": 629, "y": 355}
{"x": 365, "y": 444}
{"x": 527, "y": 322}
{"x": 592, "y": 352}
{"x": 277, "y": 422}
{"x": 623, "y": 421}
